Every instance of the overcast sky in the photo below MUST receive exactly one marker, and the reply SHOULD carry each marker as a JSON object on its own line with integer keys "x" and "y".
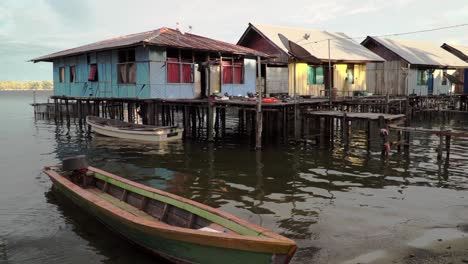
{"x": 31, "y": 28}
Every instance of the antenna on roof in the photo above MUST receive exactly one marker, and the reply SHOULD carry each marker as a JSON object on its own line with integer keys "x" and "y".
{"x": 180, "y": 28}
{"x": 306, "y": 36}
{"x": 189, "y": 29}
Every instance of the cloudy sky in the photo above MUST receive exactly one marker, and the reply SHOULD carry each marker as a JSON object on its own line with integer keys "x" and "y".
{"x": 30, "y": 28}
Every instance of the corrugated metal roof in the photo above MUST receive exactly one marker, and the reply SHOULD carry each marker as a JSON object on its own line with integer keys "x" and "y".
{"x": 421, "y": 52}
{"x": 160, "y": 37}
{"x": 341, "y": 47}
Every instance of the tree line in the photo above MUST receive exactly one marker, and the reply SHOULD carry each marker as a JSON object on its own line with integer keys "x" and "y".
{"x": 29, "y": 85}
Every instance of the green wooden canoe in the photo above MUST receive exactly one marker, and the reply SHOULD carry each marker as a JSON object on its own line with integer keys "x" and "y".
{"x": 173, "y": 227}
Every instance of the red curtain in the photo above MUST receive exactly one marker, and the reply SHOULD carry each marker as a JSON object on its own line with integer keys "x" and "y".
{"x": 172, "y": 70}
{"x": 187, "y": 76}
{"x": 187, "y": 73}
{"x": 238, "y": 72}
{"x": 227, "y": 71}
{"x": 92, "y": 76}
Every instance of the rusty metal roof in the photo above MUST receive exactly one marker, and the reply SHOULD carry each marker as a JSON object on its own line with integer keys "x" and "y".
{"x": 166, "y": 37}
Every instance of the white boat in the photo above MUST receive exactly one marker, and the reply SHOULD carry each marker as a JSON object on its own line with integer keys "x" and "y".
{"x": 120, "y": 129}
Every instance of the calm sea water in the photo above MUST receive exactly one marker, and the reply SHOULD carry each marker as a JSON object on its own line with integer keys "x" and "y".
{"x": 338, "y": 204}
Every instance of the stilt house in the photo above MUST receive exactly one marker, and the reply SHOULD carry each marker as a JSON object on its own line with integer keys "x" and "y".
{"x": 411, "y": 67}
{"x": 348, "y": 60}
{"x": 162, "y": 63}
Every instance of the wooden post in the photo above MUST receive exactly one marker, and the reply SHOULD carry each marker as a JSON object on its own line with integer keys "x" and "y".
{"x": 345, "y": 128}
{"x": 223, "y": 122}
{"x": 387, "y": 103}
{"x": 369, "y": 134}
{"x": 258, "y": 138}
{"x": 55, "y": 110}
{"x": 216, "y": 123}
{"x": 296, "y": 123}
{"x": 193, "y": 116}
{"x": 447, "y": 145}
{"x": 67, "y": 110}
{"x": 440, "y": 148}
{"x": 399, "y": 140}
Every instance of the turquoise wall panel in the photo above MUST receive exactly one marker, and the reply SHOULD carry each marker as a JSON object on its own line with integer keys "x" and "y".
{"x": 151, "y": 77}
{"x": 142, "y": 53}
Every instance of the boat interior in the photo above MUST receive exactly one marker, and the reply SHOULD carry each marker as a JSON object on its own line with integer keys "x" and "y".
{"x": 144, "y": 207}
{"x": 123, "y": 125}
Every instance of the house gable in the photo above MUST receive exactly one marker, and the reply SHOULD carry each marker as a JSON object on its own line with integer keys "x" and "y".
{"x": 254, "y": 39}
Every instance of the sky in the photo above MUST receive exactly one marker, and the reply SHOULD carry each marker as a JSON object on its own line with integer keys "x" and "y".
{"x": 31, "y": 28}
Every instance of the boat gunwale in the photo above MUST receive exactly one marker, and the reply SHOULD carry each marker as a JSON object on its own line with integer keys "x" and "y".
{"x": 91, "y": 120}
{"x": 271, "y": 242}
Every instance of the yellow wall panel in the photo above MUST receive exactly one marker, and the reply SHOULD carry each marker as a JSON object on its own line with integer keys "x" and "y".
{"x": 302, "y": 88}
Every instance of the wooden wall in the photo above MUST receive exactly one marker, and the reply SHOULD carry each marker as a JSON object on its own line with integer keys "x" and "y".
{"x": 277, "y": 80}
{"x": 339, "y": 80}
{"x": 438, "y": 89}
{"x": 151, "y": 77}
{"x": 107, "y": 84}
{"x": 302, "y": 88}
{"x": 386, "y": 78}
{"x": 390, "y": 78}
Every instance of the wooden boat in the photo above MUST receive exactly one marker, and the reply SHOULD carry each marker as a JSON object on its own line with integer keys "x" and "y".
{"x": 173, "y": 227}
{"x": 121, "y": 129}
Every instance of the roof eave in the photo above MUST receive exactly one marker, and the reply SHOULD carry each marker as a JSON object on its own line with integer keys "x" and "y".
{"x": 48, "y": 58}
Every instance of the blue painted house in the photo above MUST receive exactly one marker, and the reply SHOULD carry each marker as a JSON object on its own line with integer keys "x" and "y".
{"x": 162, "y": 63}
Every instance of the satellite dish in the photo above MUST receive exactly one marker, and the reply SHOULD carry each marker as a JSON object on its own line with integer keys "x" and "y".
{"x": 284, "y": 40}
{"x": 298, "y": 51}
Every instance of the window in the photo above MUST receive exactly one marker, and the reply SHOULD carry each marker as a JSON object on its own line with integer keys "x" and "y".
{"x": 422, "y": 77}
{"x": 233, "y": 71}
{"x": 444, "y": 77}
{"x": 126, "y": 67}
{"x": 93, "y": 73}
{"x": 315, "y": 75}
{"x": 72, "y": 74}
{"x": 62, "y": 74}
{"x": 350, "y": 74}
{"x": 180, "y": 67}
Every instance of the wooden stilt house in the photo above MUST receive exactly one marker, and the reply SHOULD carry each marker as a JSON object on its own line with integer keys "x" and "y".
{"x": 162, "y": 63}
{"x": 411, "y": 67}
{"x": 284, "y": 72}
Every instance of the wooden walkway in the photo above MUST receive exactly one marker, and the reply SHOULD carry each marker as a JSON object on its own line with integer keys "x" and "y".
{"x": 365, "y": 116}
{"x": 431, "y": 131}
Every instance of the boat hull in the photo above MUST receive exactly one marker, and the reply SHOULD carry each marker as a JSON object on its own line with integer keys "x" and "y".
{"x": 172, "y": 248}
{"x": 152, "y": 134}
{"x": 134, "y": 136}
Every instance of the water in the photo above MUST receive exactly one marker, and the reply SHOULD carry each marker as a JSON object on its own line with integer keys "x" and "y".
{"x": 339, "y": 205}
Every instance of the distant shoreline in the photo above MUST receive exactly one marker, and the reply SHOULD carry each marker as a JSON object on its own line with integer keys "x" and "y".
{"x": 25, "y": 90}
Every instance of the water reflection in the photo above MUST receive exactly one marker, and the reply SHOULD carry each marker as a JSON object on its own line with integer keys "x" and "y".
{"x": 100, "y": 239}
{"x": 284, "y": 188}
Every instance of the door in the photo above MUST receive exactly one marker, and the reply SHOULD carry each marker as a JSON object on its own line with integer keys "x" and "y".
{"x": 430, "y": 83}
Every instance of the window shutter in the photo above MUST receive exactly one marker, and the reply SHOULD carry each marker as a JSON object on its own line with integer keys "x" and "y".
{"x": 319, "y": 75}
